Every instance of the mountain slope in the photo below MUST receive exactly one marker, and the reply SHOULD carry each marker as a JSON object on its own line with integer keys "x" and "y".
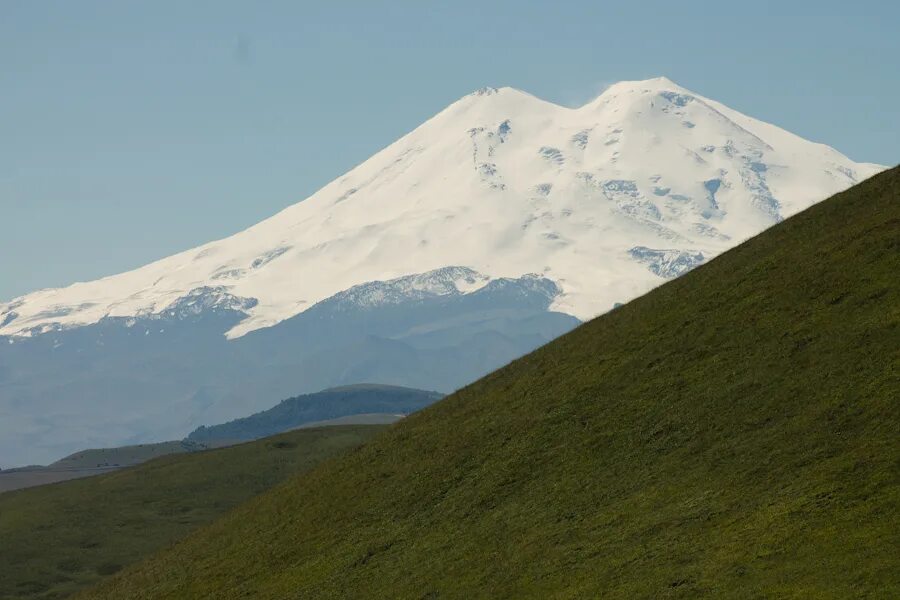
{"x": 731, "y": 434}
{"x": 60, "y": 538}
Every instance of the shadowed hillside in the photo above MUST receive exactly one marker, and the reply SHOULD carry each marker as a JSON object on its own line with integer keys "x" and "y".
{"x": 57, "y": 539}
{"x": 731, "y": 434}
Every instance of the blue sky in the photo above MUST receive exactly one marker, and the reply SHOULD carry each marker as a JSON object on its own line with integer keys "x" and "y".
{"x": 132, "y": 130}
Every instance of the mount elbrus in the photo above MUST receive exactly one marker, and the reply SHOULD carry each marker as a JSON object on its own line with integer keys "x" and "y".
{"x": 493, "y": 227}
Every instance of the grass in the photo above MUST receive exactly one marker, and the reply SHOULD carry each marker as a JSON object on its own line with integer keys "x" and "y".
{"x": 57, "y": 539}
{"x": 732, "y": 434}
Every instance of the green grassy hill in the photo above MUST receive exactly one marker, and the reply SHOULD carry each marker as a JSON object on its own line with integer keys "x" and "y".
{"x": 57, "y": 539}
{"x": 732, "y": 434}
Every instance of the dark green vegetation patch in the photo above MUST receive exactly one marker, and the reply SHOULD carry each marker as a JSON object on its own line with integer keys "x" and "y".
{"x": 328, "y": 404}
{"x": 57, "y": 539}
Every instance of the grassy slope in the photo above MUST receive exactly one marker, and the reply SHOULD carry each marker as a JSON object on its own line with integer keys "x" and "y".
{"x": 59, "y": 538}
{"x": 731, "y": 434}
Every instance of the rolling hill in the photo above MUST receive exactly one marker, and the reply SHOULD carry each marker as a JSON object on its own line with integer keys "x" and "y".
{"x": 334, "y": 403}
{"x": 731, "y": 434}
{"x": 57, "y": 539}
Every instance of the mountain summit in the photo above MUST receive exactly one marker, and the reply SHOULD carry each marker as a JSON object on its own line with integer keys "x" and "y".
{"x": 598, "y": 199}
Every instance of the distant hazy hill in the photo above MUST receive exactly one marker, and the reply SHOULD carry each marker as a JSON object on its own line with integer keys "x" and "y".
{"x": 731, "y": 434}
{"x": 57, "y": 539}
{"x": 360, "y": 404}
{"x": 321, "y": 406}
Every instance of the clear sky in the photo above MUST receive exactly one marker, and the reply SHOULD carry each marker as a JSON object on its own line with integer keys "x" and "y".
{"x": 132, "y": 130}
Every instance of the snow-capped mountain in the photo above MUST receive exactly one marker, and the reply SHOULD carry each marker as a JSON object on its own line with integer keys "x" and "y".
{"x": 487, "y": 231}
{"x": 600, "y": 199}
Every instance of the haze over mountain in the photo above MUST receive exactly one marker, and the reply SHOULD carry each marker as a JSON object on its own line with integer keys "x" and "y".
{"x": 492, "y": 228}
